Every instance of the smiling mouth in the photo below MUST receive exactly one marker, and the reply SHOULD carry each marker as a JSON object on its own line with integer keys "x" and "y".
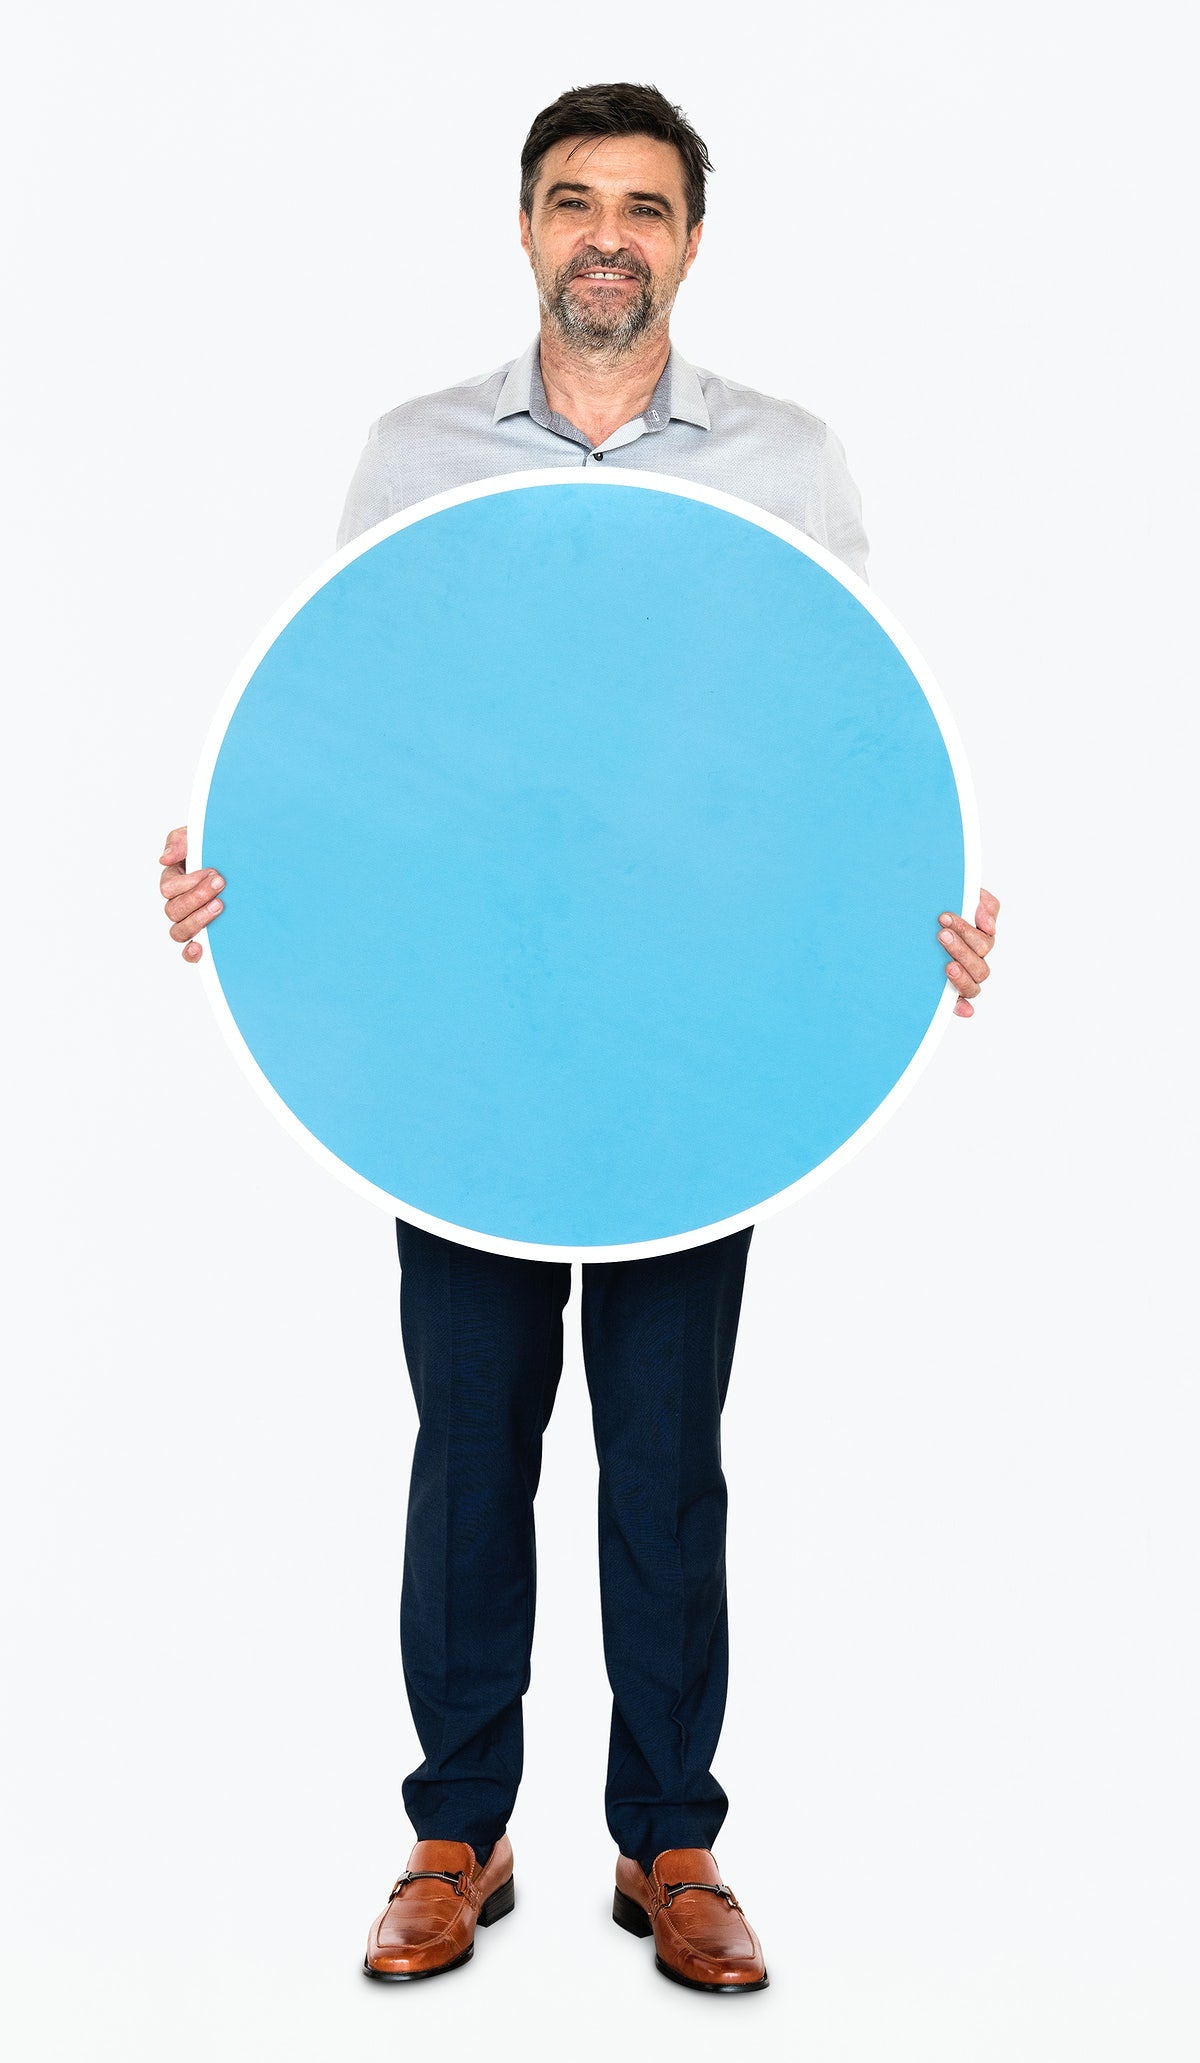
{"x": 607, "y": 278}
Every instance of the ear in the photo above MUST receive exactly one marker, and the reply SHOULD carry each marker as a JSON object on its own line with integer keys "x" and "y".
{"x": 690, "y": 248}
{"x": 523, "y": 219}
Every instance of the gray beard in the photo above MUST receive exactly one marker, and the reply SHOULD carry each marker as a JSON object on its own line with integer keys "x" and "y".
{"x": 586, "y": 329}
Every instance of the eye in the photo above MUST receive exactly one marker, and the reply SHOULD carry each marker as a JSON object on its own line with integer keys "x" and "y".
{"x": 656, "y": 212}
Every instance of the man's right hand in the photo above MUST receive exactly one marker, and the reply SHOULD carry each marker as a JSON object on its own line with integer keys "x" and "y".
{"x": 192, "y": 900}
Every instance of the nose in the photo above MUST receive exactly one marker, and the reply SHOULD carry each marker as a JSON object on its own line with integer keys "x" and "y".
{"x": 608, "y": 234}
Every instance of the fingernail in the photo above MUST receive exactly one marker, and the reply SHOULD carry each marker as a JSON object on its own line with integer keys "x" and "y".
{"x": 217, "y": 881}
{"x": 947, "y": 937}
{"x": 945, "y": 917}
{"x": 215, "y": 907}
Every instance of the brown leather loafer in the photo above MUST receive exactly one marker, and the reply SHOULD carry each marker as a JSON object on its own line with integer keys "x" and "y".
{"x": 428, "y": 1924}
{"x": 701, "y": 1935}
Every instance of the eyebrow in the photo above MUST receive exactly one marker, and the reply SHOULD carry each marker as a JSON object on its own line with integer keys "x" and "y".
{"x": 577, "y": 186}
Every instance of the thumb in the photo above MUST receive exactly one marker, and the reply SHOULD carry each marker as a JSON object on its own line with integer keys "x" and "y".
{"x": 175, "y": 848}
{"x": 987, "y": 913}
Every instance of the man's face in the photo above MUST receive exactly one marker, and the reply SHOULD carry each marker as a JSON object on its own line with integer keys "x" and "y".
{"x": 607, "y": 238}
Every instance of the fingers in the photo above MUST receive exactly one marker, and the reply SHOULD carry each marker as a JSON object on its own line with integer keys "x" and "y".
{"x": 958, "y": 977}
{"x": 188, "y": 926}
{"x": 970, "y": 963}
{"x": 189, "y": 892}
{"x": 174, "y": 882}
{"x": 970, "y": 936}
{"x": 191, "y": 901}
{"x": 970, "y": 945}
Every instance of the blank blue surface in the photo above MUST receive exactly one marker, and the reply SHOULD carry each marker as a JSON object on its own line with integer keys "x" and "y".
{"x": 584, "y": 849}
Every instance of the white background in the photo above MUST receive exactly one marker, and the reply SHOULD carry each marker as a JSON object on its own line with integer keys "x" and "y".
{"x": 962, "y": 1433}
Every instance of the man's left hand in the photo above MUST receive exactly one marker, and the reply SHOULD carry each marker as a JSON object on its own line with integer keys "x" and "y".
{"x": 970, "y": 945}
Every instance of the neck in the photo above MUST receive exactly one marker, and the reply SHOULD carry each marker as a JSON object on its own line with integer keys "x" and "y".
{"x": 600, "y": 390}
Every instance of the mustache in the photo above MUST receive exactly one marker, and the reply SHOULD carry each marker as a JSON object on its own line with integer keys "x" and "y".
{"x": 595, "y": 261}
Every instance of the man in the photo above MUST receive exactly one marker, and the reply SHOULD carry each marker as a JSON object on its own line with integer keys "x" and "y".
{"x": 611, "y": 214}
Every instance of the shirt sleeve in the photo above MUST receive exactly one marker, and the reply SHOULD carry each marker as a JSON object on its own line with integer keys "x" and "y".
{"x": 833, "y": 512}
{"x": 372, "y": 495}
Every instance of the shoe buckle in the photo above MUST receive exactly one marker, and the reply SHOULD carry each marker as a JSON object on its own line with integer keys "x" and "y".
{"x": 670, "y": 1891}
{"x": 458, "y": 1880}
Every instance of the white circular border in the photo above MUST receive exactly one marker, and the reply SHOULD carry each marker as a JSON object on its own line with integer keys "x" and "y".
{"x": 588, "y": 482}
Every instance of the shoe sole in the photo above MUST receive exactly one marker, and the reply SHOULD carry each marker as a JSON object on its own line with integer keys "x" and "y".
{"x": 494, "y": 1908}
{"x": 628, "y": 1914}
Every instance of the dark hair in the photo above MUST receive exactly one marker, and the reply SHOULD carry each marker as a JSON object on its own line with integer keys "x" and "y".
{"x": 620, "y": 110}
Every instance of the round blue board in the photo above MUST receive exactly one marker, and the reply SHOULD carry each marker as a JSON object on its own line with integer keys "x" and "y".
{"x": 585, "y": 840}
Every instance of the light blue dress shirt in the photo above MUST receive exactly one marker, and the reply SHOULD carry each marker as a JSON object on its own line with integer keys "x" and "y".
{"x": 697, "y": 427}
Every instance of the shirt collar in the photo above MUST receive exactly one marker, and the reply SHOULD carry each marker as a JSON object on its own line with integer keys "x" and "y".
{"x": 678, "y": 397}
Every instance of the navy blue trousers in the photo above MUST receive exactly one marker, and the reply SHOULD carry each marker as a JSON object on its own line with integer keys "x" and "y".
{"x": 483, "y": 1338}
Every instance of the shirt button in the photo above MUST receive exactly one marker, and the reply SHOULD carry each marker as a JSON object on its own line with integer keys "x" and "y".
{"x": 597, "y": 454}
